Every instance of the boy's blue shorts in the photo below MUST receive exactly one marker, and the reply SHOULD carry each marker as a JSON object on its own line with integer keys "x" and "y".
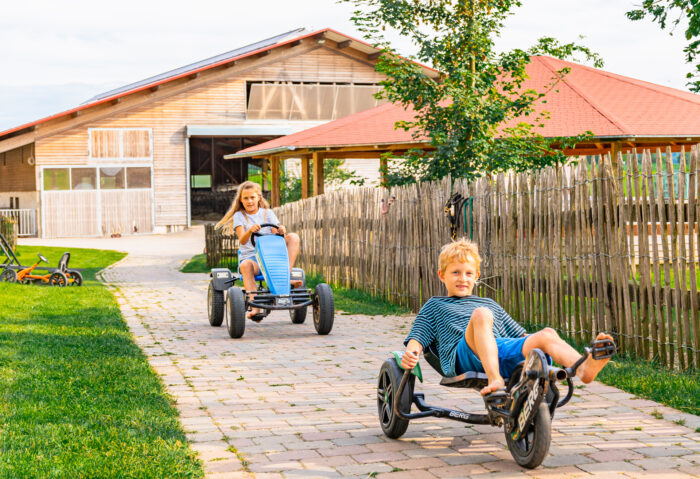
{"x": 510, "y": 354}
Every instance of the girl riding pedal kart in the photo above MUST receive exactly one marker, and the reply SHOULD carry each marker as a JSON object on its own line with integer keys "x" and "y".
{"x": 271, "y": 259}
{"x": 474, "y": 343}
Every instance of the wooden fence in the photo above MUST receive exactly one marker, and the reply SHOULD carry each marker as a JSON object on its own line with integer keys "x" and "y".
{"x": 8, "y": 229}
{"x": 584, "y": 248}
{"x": 222, "y": 250}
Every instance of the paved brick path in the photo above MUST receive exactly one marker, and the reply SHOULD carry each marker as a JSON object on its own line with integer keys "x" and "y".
{"x": 285, "y": 402}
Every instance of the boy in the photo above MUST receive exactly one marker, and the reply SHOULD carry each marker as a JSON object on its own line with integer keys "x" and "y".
{"x": 476, "y": 334}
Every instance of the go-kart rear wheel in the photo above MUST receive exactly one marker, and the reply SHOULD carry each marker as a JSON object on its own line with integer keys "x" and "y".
{"x": 298, "y": 315}
{"x": 235, "y": 319}
{"x": 76, "y": 277}
{"x": 8, "y": 275}
{"x": 530, "y": 450}
{"x": 215, "y": 305}
{"x": 324, "y": 309}
{"x": 58, "y": 278}
{"x": 389, "y": 379}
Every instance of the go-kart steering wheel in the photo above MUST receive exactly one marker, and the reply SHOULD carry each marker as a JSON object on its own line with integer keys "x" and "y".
{"x": 42, "y": 258}
{"x": 264, "y": 225}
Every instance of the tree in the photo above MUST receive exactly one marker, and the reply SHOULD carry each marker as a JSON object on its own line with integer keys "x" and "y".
{"x": 334, "y": 173}
{"x": 660, "y": 11}
{"x": 463, "y": 113}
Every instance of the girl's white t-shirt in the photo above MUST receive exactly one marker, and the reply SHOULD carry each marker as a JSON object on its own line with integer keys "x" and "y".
{"x": 241, "y": 218}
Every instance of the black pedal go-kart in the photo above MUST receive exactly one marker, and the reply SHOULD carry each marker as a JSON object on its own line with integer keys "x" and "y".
{"x": 525, "y": 409}
{"x": 229, "y": 302}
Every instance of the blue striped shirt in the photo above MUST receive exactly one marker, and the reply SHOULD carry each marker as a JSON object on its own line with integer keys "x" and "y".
{"x": 442, "y": 321}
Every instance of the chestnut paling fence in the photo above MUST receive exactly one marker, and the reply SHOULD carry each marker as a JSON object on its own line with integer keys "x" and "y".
{"x": 591, "y": 247}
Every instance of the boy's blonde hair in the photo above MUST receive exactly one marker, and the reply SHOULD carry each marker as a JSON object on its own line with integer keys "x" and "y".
{"x": 227, "y": 221}
{"x": 462, "y": 251}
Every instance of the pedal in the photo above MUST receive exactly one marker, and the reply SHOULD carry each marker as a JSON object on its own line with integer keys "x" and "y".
{"x": 602, "y": 349}
{"x": 496, "y": 398}
{"x": 257, "y": 317}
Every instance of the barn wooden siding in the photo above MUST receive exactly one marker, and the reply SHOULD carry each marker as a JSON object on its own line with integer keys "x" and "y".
{"x": 17, "y": 172}
{"x": 201, "y": 102}
{"x": 582, "y": 249}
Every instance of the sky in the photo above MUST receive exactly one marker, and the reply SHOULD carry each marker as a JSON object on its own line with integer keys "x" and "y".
{"x": 56, "y": 55}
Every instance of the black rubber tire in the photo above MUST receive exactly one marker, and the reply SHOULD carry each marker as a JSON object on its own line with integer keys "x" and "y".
{"x": 235, "y": 319}
{"x": 531, "y": 449}
{"x": 58, "y": 278}
{"x": 388, "y": 382}
{"x": 8, "y": 275}
{"x": 216, "y": 305}
{"x": 77, "y": 277}
{"x": 298, "y": 315}
{"x": 324, "y": 309}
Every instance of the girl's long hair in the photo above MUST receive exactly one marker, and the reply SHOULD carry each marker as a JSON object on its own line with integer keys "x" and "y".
{"x": 227, "y": 221}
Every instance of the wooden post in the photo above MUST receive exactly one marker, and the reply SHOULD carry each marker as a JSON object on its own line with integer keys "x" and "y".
{"x": 275, "y": 181}
{"x": 615, "y": 149}
{"x": 265, "y": 177}
{"x": 305, "y": 177}
{"x": 318, "y": 173}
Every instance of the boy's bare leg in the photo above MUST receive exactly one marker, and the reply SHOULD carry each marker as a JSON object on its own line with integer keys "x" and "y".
{"x": 292, "y": 240}
{"x": 248, "y": 270}
{"x": 480, "y": 339}
{"x": 549, "y": 341}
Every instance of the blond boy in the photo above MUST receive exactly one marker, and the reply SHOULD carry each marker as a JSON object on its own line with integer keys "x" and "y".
{"x": 471, "y": 333}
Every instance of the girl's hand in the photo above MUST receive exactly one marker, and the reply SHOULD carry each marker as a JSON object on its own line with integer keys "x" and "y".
{"x": 255, "y": 228}
{"x": 409, "y": 359}
{"x": 282, "y": 230}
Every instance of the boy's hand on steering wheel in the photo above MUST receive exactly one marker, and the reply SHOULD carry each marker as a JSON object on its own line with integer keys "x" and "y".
{"x": 409, "y": 359}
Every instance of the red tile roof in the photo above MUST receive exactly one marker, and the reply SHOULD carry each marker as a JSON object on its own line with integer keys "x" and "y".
{"x": 588, "y": 99}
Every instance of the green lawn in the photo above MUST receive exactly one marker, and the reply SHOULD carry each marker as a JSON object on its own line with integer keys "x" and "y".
{"x": 77, "y": 396}
{"x": 198, "y": 264}
{"x": 355, "y": 301}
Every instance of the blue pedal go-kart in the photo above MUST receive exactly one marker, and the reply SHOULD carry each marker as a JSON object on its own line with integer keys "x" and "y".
{"x": 525, "y": 408}
{"x": 229, "y": 302}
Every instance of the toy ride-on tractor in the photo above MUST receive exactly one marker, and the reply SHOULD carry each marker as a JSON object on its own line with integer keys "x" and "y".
{"x": 228, "y": 302}
{"x": 525, "y": 409}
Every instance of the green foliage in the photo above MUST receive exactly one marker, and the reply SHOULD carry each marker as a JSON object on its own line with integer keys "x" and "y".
{"x": 77, "y": 396}
{"x": 198, "y": 264}
{"x": 334, "y": 174}
{"x": 354, "y": 301}
{"x": 463, "y": 113}
{"x": 669, "y": 14}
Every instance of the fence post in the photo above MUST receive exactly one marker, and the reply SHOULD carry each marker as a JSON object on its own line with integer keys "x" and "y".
{"x": 8, "y": 230}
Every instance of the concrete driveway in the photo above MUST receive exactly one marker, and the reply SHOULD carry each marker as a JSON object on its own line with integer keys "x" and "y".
{"x": 285, "y": 402}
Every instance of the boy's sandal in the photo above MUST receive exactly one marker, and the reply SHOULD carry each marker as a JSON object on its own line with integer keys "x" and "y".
{"x": 257, "y": 317}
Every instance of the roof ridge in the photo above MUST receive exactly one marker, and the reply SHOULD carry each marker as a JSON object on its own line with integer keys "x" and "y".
{"x": 661, "y": 89}
{"x": 622, "y": 126}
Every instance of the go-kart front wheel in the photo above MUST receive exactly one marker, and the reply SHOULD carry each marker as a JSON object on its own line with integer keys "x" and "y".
{"x": 235, "y": 319}
{"x": 530, "y": 450}
{"x": 215, "y": 305}
{"x": 298, "y": 315}
{"x": 8, "y": 275}
{"x": 324, "y": 309}
{"x": 389, "y": 379}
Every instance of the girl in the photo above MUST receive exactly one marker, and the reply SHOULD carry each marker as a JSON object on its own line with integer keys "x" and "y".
{"x": 248, "y": 211}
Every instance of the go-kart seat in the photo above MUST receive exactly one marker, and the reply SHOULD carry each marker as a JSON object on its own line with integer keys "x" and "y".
{"x": 63, "y": 263}
{"x": 470, "y": 379}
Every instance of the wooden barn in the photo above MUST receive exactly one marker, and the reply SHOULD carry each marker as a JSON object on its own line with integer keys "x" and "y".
{"x": 148, "y": 157}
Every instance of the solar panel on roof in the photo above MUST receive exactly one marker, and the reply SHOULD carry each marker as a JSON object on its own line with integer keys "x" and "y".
{"x": 200, "y": 64}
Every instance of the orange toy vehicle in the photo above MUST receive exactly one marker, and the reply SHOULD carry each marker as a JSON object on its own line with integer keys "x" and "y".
{"x": 60, "y": 276}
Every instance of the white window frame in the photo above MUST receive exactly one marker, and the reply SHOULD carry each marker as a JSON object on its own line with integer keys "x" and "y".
{"x": 99, "y": 161}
